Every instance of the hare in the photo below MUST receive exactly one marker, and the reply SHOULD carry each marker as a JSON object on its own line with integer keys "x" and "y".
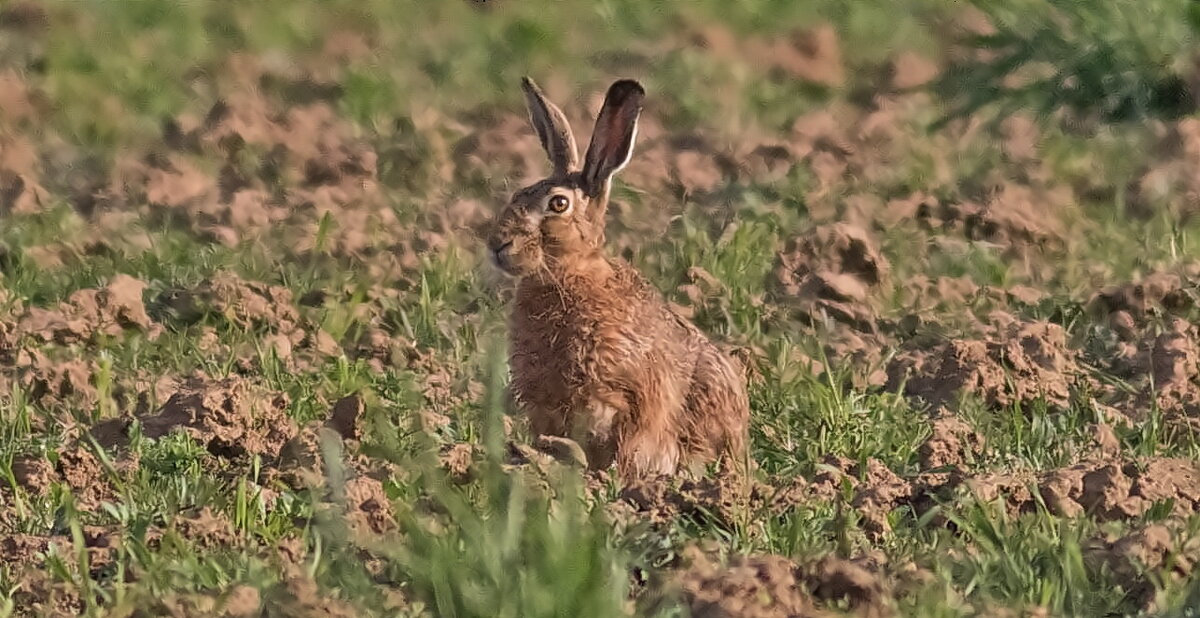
{"x": 595, "y": 353}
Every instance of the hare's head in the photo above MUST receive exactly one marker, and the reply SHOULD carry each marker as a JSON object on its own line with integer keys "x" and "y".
{"x": 562, "y": 216}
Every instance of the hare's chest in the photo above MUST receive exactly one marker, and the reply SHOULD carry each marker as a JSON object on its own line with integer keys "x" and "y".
{"x": 571, "y": 347}
{"x": 571, "y": 378}
{"x": 569, "y": 340}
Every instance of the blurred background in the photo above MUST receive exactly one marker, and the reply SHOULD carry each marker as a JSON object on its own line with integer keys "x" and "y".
{"x": 954, "y": 242}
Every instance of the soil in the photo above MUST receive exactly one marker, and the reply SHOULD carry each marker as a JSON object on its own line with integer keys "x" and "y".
{"x": 1021, "y": 363}
{"x": 232, "y": 417}
{"x": 723, "y": 501}
{"x": 769, "y": 586}
{"x": 835, "y": 270}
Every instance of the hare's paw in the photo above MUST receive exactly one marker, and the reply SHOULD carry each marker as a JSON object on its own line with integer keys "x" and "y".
{"x": 647, "y": 454}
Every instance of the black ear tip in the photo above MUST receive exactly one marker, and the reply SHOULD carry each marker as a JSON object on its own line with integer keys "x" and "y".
{"x": 626, "y": 87}
{"x": 528, "y": 85}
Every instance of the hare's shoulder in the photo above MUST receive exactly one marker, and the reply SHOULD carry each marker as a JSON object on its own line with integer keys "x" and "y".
{"x": 630, "y": 284}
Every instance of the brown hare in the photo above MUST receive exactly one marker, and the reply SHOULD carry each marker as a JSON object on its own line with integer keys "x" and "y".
{"x": 595, "y": 353}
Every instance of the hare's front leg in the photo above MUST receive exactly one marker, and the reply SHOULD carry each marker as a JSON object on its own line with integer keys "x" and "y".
{"x": 596, "y": 428}
{"x": 647, "y": 454}
{"x": 649, "y": 444}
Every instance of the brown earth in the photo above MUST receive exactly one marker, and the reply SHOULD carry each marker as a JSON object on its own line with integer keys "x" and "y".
{"x": 107, "y": 311}
{"x": 231, "y": 417}
{"x": 833, "y": 271}
{"x": 1147, "y": 550}
{"x": 768, "y": 586}
{"x": 952, "y": 442}
{"x": 724, "y": 501}
{"x": 1020, "y": 363}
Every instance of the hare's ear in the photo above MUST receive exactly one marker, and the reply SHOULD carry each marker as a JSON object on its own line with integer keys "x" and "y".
{"x": 552, "y": 129}
{"x": 612, "y": 140}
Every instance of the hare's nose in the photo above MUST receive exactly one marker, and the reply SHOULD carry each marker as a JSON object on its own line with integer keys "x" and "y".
{"x": 498, "y": 245}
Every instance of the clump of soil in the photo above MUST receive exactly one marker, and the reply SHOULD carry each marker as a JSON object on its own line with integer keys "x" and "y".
{"x": 27, "y": 550}
{"x": 48, "y": 377}
{"x": 34, "y": 474}
{"x": 723, "y": 500}
{"x": 1166, "y": 181}
{"x": 1163, "y": 367}
{"x": 768, "y": 586}
{"x": 83, "y": 473}
{"x": 1107, "y": 489}
{"x": 833, "y": 270}
{"x": 1123, "y": 490}
{"x": 444, "y": 384}
{"x": 1015, "y": 216}
{"x": 239, "y": 601}
{"x": 458, "y": 461}
{"x": 301, "y": 459}
{"x": 108, "y": 311}
{"x": 40, "y": 594}
{"x": 206, "y": 528}
{"x": 301, "y": 462}
{"x": 18, "y": 549}
{"x": 1023, "y": 363}
{"x": 908, "y": 70}
{"x": 81, "y": 470}
{"x": 368, "y": 507}
{"x": 20, "y": 173}
{"x": 302, "y": 465}
{"x": 1137, "y": 299}
{"x": 381, "y": 349}
{"x": 245, "y": 303}
{"x": 1135, "y": 557}
{"x": 749, "y": 587}
{"x": 952, "y": 442}
{"x": 231, "y": 417}
{"x": 810, "y": 55}
{"x": 877, "y": 490}
{"x": 833, "y": 580}
{"x": 299, "y": 595}
{"x": 346, "y": 417}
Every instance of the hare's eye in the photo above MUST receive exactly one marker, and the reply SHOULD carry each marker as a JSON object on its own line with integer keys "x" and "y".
{"x": 559, "y": 204}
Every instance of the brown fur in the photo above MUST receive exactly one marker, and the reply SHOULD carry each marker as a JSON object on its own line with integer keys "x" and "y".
{"x": 596, "y": 354}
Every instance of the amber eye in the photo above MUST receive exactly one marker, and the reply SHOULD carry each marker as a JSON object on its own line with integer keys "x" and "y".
{"x": 559, "y": 204}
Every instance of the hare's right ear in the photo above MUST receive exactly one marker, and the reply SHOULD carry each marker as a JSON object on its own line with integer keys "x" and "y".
{"x": 552, "y": 129}
{"x": 612, "y": 140}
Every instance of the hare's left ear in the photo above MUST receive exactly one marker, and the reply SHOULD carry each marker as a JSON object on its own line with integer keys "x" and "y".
{"x": 612, "y": 139}
{"x": 551, "y": 127}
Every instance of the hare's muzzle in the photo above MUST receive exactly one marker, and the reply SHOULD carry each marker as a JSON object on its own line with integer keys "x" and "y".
{"x": 500, "y": 250}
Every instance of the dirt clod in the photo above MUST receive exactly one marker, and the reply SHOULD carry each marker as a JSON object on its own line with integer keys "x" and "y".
{"x": 1139, "y": 558}
{"x": 770, "y": 586}
{"x": 346, "y": 417}
{"x": 458, "y": 460}
{"x": 952, "y": 442}
{"x": 1022, "y": 363}
{"x": 34, "y": 474}
{"x": 723, "y": 500}
{"x": 749, "y": 587}
{"x": 833, "y": 270}
{"x": 242, "y": 302}
{"x": 368, "y": 506}
{"x": 231, "y": 417}
{"x": 110, "y": 311}
{"x": 206, "y": 528}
